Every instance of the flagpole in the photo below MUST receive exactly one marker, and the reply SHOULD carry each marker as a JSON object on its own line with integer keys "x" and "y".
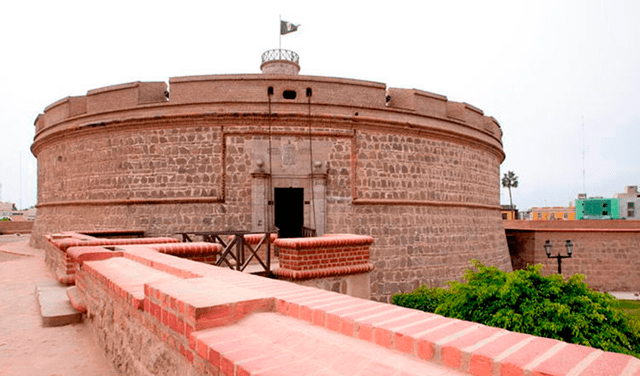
{"x": 280, "y": 35}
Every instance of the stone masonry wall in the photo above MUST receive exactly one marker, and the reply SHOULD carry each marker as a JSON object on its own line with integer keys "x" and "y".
{"x": 427, "y": 245}
{"x": 157, "y": 161}
{"x": 16, "y": 227}
{"x": 607, "y": 256}
{"x": 418, "y": 173}
{"x": 410, "y": 167}
{"x": 417, "y": 242}
{"x": 132, "y": 342}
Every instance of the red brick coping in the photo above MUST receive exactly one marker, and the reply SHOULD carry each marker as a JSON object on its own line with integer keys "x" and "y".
{"x": 64, "y": 241}
{"x": 326, "y": 256}
{"x": 224, "y": 322}
{"x": 68, "y": 248}
{"x": 254, "y": 239}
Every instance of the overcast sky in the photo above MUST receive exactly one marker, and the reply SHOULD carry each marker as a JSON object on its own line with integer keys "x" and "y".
{"x": 561, "y": 77}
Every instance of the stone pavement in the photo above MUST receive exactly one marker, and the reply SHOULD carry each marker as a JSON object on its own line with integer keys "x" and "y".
{"x": 26, "y": 347}
{"x": 625, "y": 295}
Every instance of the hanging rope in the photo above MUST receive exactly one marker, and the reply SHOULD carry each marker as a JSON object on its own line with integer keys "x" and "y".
{"x": 269, "y": 223}
{"x": 313, "y": 201}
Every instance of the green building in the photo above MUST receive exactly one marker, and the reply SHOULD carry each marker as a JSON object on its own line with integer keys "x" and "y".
{"x": 598, "y": 208}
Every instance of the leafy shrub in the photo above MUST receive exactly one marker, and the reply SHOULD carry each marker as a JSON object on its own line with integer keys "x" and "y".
{"x": 423, "y": 298}
{"x": 525, "y": 301}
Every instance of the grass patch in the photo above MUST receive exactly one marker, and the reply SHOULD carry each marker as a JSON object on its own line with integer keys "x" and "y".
{"x": 630, "y": 307}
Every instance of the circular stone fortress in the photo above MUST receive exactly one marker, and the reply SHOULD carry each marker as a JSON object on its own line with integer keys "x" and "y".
{"x": 418, "y": 173}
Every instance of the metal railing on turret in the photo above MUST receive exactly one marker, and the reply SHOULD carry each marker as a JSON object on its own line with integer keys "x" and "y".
{"x": 280, "y": 54}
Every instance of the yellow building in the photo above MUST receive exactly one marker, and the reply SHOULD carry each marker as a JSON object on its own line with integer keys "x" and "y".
{"x": 509, "y": 215}
{"x": 552, "y": 213}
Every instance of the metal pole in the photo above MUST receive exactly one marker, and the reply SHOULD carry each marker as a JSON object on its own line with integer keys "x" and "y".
{"x": 239, "y": 251}
{"x": 280, "y": 35}
{"x": 559, "y": 264}
{"x": 268, "y": 233}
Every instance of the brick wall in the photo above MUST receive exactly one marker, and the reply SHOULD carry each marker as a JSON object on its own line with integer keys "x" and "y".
{"x": 329, "y": 251}
{"x": 606, "y": 252}
{"x": 65, "y": 250}
{"x": 11, "y": 227}
{"x": 158, "y": 314}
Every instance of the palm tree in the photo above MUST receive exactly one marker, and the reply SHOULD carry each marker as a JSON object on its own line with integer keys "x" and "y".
{"x": 510, "y": 180}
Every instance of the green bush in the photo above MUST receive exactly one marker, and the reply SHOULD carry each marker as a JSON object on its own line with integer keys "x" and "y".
{"x": 423, "y": 298}
{"x": 525, "y": 301}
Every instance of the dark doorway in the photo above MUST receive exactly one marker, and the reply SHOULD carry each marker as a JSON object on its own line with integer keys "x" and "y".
{"x": 289, "y": 208}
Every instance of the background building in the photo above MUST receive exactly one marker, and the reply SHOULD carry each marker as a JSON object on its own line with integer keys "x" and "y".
{"x": 510, "y": 213}
{"x": 622, "y": 206}
{"x": 552, "y": 213}
{"x": 628, "y": 202}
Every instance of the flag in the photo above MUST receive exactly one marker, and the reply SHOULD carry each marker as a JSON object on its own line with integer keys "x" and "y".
{"x": 287, "y": 27}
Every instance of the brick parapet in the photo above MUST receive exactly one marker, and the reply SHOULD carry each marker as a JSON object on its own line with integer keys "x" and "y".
{"x": 614, "y": 225}
{"x": 67, "y": 250}
{"x": 15, "y": 227}
{"x": 203, "y": 333}
{"x": 65, "y": 241}
{"x": 247, "y": 94}
{"x": 325, "y": 256}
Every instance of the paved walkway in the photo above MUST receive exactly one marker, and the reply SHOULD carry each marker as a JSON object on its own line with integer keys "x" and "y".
{"x": 26, "y": 347}
{"x": 626, "y": 295}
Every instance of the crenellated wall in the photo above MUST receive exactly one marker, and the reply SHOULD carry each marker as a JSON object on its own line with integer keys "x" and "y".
{"x": 246, "y": 94}
{"x": 417, "y": 172}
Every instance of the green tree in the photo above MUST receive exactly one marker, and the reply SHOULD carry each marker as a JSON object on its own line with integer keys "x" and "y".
{"x": 510, "y": 180}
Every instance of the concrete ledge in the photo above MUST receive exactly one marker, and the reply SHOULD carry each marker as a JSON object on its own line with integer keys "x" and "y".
{"x": 55, "y": 308}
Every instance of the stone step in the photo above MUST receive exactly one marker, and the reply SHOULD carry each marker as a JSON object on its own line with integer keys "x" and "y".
{"x": 55, "y": 308}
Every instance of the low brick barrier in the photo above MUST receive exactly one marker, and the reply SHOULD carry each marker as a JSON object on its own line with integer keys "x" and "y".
{"x": 159, "y": 314}
{"x": 326, "y": 256}
{"x": 65, "y": 250}
{"x": 197, "y": 251}
{"x": 15, "y": 227}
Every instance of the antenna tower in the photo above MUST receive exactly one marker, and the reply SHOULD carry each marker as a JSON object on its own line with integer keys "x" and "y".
{"x": 584, "y": 184}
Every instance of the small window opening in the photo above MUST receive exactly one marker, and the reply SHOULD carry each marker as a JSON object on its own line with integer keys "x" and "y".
{"x": 289, "y": 94}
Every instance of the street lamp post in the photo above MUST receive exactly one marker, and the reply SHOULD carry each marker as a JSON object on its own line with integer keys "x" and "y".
{"x": 559, "y": 257}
